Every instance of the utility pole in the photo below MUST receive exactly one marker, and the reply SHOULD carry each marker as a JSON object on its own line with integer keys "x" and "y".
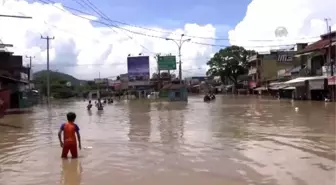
{"x": 179, "y": 45}
{"x": 329, "y": 53}
{"x": 331, "y": 63}
{"x": 30, "y": 68}
{"x": 48, "y": 70}
{"x": 157, "y": 56}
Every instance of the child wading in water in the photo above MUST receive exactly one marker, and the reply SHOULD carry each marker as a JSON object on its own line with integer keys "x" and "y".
{"x": 69, "y": 143}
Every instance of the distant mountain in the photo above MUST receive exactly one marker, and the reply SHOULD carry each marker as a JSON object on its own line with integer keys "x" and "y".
{"x": 41, "y": 76}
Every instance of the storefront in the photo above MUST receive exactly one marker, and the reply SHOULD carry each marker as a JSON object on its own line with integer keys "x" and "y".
{"x": 308, "y": 87}
{"x": 332, "y": 88}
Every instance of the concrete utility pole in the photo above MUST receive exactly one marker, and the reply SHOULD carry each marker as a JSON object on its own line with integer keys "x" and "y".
{"x": 30, "y": 67}
{"x": 158, "y": 70}
{"x": 48, "y": 70}
{"x": 331, "y": 63}
{"x": 179, "y": 45}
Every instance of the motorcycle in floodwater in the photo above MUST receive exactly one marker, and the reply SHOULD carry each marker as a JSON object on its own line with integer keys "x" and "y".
{"x": 209, "y": 97}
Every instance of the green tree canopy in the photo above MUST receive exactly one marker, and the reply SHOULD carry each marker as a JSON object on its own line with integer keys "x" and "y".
{"x": 230, "y": 63}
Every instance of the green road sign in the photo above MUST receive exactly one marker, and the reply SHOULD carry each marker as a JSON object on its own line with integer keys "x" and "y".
{"x": 167, "y": 62}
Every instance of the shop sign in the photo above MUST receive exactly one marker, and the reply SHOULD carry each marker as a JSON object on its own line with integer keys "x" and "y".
{"x": 332, "y": 80}
{"x": 316, "y": 84}
{"x": 252, "y": 84}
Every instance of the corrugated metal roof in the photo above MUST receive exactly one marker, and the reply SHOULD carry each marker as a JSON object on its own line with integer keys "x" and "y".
{"x": 295, "y": 69}
{"x": 315, "y": 46}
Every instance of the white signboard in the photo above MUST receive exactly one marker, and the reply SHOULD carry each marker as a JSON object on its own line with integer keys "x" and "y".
{"x": 316, "y": 84}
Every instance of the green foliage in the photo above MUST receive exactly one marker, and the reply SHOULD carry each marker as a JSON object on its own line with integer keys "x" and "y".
{"x": 41, "y": 76}
{"x": 230, "y": 63}
{"x": 58, "y": 85}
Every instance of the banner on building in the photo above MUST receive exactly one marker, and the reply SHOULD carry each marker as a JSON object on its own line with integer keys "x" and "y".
{"x": 252, "y": 84}
{"x": 114, "y": 83}
{"x": 332, "y": 80}
{"x": 167, "y": 62}
{"x": 138, "y": 68}
{"x": 285, "y": 57}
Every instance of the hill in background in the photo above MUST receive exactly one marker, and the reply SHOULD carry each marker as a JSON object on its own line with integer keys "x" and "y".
{"x": 41, "y": 76}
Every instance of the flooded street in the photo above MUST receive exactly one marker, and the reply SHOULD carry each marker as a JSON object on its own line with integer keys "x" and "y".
{"x": 244, "y": 140}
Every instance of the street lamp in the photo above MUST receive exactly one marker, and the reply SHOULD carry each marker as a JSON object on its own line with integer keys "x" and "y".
{"x": 179, "y": 45}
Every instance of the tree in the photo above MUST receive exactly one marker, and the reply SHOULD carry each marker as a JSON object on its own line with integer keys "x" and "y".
{"x": 155, "y": 76}
{"x": 230, "y": 63}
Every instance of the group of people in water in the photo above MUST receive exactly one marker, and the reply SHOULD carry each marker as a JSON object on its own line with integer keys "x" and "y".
{"x": 99, "y": 103}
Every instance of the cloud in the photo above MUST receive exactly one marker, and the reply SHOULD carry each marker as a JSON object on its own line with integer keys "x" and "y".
{"x": 301, "y": 18}
{"x": 85, "y": 50}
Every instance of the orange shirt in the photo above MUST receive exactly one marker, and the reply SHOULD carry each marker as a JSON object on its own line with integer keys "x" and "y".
{"x": 69, "y": 132}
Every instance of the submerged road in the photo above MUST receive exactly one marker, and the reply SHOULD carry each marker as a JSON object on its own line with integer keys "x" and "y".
{"x": 233, "y": 140}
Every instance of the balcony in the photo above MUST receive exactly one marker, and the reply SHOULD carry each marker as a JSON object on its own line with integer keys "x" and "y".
{"x": 326, "y": 70}
{"x": 252, "y": 58}
{"x": 252, "y": 71}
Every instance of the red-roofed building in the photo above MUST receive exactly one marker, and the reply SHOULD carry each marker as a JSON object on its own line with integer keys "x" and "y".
{"x": 317, "y": 66}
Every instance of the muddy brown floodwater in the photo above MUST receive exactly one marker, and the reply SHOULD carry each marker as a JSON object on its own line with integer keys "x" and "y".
{"x": 234, "y": 140}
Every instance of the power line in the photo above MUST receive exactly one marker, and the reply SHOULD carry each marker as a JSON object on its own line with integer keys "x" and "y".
{"x": 166, "y": 32}
{"x": 101, "y": 14}
{"x": 153, "y": 36}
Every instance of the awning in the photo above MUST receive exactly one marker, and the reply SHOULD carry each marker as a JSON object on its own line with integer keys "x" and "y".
{"x": 262, "y": 88}
{"x": 277, "y": 87}
{"x": 296, "y": 80}
{"x": 318, "y": 45}
{"x": 299, "y": 81}
{"x": 289, "y": 88}
{"x": 295, "y": 69}
{"x": 276, "y": 83}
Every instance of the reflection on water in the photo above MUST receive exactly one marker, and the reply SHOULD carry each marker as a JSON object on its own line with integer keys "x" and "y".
{"x": 71, "y": 172}
{"x": 233, "y": 140}
{"x": 139, "y": 121}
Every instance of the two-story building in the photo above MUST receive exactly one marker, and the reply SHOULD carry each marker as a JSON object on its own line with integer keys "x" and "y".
{"x": 14, "y": 76}
{"x": 316, "y": 77}
{"x": 267, "y": 68}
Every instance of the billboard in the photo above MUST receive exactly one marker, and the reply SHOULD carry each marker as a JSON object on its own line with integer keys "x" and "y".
{"x": 167, "y": 62}
{"x": 138, "y": 68}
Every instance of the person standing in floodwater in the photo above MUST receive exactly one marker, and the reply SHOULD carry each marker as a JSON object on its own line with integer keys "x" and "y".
{"x": 69, "y": 143}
